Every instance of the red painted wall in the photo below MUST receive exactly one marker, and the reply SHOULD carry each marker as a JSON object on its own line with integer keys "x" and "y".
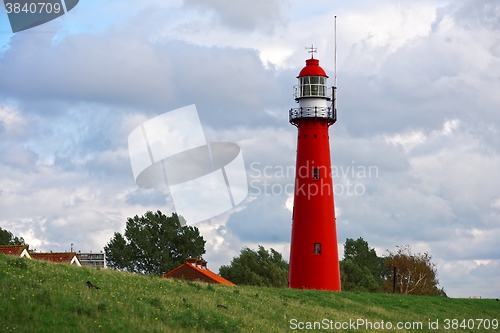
{"x": 313, "y": 219}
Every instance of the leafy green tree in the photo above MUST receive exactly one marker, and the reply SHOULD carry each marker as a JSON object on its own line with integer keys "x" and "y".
{"x": 153, "y": 244}
{"x": 7, "y": 238}
{"x": 415, "y": 273}
{"x": 361, "y": 269}
{"x": 257, "y": 268}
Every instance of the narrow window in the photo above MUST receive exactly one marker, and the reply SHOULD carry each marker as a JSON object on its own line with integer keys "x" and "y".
{"x": 317, "y": 248}
{"x": 307, "y": 90}
{"x": 315, "y": 90}
{"x": 315, "y": 79}
{"x": 315, "y": 173}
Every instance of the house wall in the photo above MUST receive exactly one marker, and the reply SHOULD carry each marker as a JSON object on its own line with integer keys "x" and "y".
{"x": 92, "y": 259}
{"x": 26, "y": 254}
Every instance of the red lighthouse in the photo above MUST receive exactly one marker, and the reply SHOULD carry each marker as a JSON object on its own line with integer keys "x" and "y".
{"x": 314, "y": 260}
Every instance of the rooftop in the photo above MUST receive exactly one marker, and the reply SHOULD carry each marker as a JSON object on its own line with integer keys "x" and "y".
{"x": 200, "y": 267}
{"x": 13, "y": 250}
{"x": 312, "y": 69}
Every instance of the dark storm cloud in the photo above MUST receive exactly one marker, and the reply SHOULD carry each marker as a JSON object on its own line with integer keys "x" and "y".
{"x": 84, "y": 67}
{"x": 266, "y": 219}
{"x": 355, "y": 155}
{"x": 442, "y": 199}
{"x": 147, "y": 198}
{"x": 477, "y": 13}
{"x": 393, "y": 213}
{"x": 244, "y": 14}
{"x": 18, "y": 156}
{"x": 406, "y": 93}
{"x": 229, "y": 86}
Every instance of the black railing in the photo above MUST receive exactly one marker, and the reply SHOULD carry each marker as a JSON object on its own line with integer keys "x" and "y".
{"x": 325, "y": 112}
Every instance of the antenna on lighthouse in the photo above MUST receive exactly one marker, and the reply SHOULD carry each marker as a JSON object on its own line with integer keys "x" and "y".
{"x": 334, "y": 88}
{"x": 335, "y": 36}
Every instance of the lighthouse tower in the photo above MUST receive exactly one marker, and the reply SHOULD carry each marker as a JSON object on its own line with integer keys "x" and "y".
{"x": 314, "y": 260}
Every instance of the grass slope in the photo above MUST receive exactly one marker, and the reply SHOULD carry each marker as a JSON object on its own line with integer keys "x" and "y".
{"x": 43, "y": 297}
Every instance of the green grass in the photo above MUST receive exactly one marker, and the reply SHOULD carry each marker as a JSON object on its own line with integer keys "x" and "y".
{"x": 43, "y": 297}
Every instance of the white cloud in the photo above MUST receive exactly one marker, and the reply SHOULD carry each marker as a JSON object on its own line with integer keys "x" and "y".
{"x": 15, "y": 126}
{"x": 407, "y": 140}
{"x": 11, "y": 120}
{"x": 496, "y": 203}
{"x": 289, "y": 204}
{"x": 413, "y": 138}
{"x": 449, "y": 126}
{"x": 470, "y": 278}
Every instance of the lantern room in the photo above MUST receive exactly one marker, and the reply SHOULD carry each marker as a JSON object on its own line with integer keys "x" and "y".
{"x": 312, "y": 81}
{"x": 312, "y": 95}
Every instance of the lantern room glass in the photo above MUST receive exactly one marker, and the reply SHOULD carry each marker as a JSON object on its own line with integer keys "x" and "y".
{"x": 312, "y": 86}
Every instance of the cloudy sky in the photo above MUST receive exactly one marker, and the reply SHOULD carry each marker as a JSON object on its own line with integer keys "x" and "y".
{"x": 418, "y": 106}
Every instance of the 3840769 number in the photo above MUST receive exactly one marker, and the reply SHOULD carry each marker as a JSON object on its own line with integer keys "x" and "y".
{"x": 454, "y": 324}
{"x": 32, "y": 8}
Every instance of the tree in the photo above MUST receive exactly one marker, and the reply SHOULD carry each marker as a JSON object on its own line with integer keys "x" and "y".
{"x": 257, "y": 268}
{"x": 361, "y": 269}
{"x": 7, "y": 238}
{"x": 415, "y": 273}
{"x": 153, "y": 244}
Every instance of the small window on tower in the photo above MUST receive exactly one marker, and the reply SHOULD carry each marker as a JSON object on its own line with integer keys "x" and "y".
{"x": 315, "y": 173}
{"x": 317, "y": 248}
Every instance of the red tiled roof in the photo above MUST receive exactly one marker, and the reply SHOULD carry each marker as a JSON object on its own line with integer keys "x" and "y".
{"x": 204, "y": 271}
{"x": 13, "y": 250}
{"x": 60, "y": 257}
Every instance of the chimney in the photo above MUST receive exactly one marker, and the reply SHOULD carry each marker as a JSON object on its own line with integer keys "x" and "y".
{"x": 191, "y": 261}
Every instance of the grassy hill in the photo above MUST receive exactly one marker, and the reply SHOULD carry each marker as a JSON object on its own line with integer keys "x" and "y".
{"x": 43, "y": 297}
